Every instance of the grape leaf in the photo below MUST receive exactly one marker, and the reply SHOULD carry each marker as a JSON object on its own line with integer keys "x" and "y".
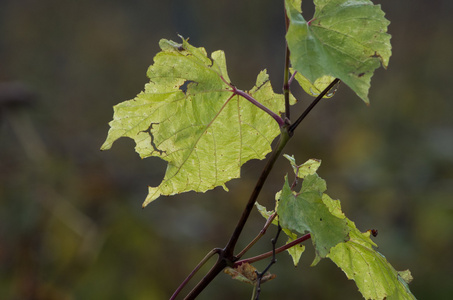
{"x": 295, "y": 251}
{"x": 188, "y": 116}
{"x": 337, "y": 237}
{"x": 308, "y": 168}
{"x": 345, "y": 39}
{"x": 266, "y": 213}
{"x": 301, "y": 171}
{"x": 372, "y": 273}
{"x": 305, "y": 212}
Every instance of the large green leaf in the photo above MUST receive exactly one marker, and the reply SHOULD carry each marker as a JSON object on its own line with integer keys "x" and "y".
{"x": 188, "y": 116}
{"x": 305, "y": 212}
{"x": 345, "y": 39}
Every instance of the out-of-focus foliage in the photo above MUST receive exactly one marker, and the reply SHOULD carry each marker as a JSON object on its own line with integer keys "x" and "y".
{"x": 71, "y": 223}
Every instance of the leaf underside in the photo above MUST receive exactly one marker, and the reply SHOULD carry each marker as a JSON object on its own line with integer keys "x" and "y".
{"x": 188, "y": 116}
{"x": 345, "y": 39}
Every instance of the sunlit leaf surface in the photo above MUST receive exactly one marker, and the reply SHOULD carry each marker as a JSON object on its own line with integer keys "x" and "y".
{"x": 188, "y": 116}
{"x": 373, "y": 274}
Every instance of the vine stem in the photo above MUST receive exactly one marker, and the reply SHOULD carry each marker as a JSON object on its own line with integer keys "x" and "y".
{"x": 286, "y": 80}
{"x": 312, "y": 105}
{"x": 194, "y": 271}
{"x": 226, "y": 256}
{"x": 284, "y": 138}
{"x": 256, "y": 239}
{"x": 273, "y": 261}
{"x": 287, "y": 133}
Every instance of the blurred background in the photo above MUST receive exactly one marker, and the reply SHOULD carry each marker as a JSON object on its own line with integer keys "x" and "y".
{"x": 71, "y": 222}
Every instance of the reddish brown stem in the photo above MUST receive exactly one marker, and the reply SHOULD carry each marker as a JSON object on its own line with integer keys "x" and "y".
{"x": 270, "y": 253}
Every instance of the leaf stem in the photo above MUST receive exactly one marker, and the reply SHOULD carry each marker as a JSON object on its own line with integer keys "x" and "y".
{"x": 284, "y": 138}
{"x": 310, "y": 107}
{"x": 226, "y": 256}
{"x": 273, "y": 261}
{"x": 204, "y": 282}
{"x": 270, "y": 253}
{"x": 275, "y": 116}
{"x": 252, "y": 100}
{"x": 257, "y": 238}
{"x": 292, "y": 77}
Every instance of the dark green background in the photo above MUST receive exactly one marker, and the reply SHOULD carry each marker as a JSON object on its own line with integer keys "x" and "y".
{"x": 71, "y": 223}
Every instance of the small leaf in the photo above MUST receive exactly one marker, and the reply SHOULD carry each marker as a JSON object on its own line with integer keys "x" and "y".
{"x": 266, "y": 213}
{"x": 263, "y": 211}
{"x": 189, "y": 117}
{"x": 345, "y": 39}
{"x": 308, "y": 168}
{"x": 295, "y": 251}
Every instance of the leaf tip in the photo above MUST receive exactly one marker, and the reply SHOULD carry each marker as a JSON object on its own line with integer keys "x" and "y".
{"x": 225, "y": 188}
{"x": 316, "y": 260}
{"x": 153, "y": 194}
{"x": 106, "y": 146}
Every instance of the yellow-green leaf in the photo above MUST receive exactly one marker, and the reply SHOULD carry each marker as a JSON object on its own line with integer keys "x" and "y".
{"x": 188, "y": 116}
{"x": 373, "y": 274}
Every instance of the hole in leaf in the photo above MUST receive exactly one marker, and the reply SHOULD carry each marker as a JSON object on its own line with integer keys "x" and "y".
{"x": 185, "y": 85}
{"x": 152, "y": 138}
